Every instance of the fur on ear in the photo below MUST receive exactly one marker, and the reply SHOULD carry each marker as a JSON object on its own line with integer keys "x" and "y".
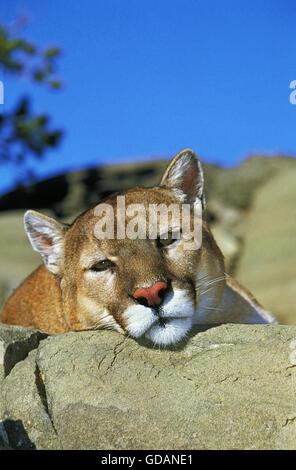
{"x": 46, "y": 236}
{"x": 185, "y": 177}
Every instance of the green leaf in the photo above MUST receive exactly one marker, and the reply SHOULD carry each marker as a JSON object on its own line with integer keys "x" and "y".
{"x": 22, "y": 109}
{"x": 27, "y": 47}
{"x": 52, "y": 52}
{"x": 55, "y": 84}
{"x": 52, "y": 139}
{"x": 39, "y": 75}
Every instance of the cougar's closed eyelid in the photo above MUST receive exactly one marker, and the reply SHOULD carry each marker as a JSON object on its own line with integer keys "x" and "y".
{"x": 103, "y": 265}
{"x": 172, "y": 237}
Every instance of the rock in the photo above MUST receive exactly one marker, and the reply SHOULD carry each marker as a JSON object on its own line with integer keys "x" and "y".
{"x": 228, "y": 387}
{"x": 267, "y": 264}
{"x": 229, "y": 244}
{"x": 23, "y": 408}
{"x": 18, "y": 259}
{"x": 3, "y": 438}
{"x": 73, "y": 192}
{"x": 15, "y": 344}
{"x": 225, "y": 226}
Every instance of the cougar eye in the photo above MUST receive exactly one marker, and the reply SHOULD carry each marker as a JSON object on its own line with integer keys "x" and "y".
{"x": 163, "y": 242}
{"x": 102, "y": 265}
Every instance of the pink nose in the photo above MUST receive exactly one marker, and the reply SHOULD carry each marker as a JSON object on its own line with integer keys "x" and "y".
{"x": 150, "y": 295}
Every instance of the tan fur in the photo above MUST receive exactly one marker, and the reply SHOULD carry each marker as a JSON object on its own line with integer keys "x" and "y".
{"x": 74, "y": 297}
{"x": 29, "y": 306}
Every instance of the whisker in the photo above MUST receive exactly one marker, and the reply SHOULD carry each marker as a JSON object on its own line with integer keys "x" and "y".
{"x": 208, "y": 276}
{"x": 101, "y": 323}
{"x": 207, "y": 290}
{"x": 209, "y": 285}
{"x": 217, "y": 279}
{"x": 213, "y": 308}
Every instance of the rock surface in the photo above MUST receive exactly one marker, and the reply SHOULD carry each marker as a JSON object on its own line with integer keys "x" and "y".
{"x": 15, "y": 344}
{"x": 267, "y": 263}
{"x": 228, "y": 387}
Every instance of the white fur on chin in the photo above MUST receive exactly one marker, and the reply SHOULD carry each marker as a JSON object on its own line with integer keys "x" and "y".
{"x": 172, "y": 332}
{"x": 177, "y": 310}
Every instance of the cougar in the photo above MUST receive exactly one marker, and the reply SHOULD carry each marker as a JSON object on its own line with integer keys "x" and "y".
{"x": 156, "y": 286}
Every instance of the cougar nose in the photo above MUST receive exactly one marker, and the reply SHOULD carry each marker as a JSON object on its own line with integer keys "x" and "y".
{"x": 151, "y": 296}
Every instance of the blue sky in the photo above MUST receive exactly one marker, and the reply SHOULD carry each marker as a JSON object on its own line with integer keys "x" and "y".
{"x": 146, "y": 78}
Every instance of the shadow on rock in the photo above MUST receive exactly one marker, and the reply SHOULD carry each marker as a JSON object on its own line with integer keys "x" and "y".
{"x": 17, "y": 436}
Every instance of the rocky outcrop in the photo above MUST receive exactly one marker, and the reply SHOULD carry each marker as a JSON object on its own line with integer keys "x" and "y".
{"x": 228, "y": 387}
{"x": 267, "y": 262}
{"x": 15, "y": 344}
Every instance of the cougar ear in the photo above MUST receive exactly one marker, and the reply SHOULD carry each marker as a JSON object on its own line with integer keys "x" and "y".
{"x": 184, "y": 175}
{"x": 46, "y": 236}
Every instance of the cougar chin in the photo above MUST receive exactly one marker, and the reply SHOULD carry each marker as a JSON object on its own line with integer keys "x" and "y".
{"x": 166, "y": 325}
{"x": 170, "y": 332}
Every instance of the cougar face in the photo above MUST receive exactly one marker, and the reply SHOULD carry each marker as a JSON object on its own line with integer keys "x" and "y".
{"x": 142, "y": 287}
{"x": 145, "y": 285}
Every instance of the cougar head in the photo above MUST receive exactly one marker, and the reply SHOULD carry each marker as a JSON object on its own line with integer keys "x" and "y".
{"x": 117, "y": 272}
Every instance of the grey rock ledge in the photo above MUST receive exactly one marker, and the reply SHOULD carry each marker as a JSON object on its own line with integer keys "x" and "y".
{"x": 228, "y": 387}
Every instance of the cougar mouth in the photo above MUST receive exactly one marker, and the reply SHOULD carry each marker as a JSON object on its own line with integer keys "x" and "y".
{"x": 171, "y": 331}
{"x": 167, "y": 324}
{"x": 164, "y": 320}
